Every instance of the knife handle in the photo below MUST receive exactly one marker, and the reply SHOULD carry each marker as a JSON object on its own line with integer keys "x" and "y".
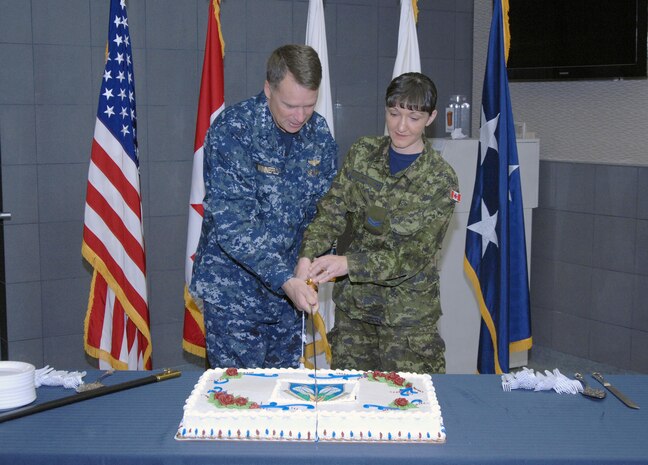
{"x": 599, "y": 377}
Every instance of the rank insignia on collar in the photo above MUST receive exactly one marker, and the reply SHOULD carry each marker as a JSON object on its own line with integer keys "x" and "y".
{"x": 314, "y": 162}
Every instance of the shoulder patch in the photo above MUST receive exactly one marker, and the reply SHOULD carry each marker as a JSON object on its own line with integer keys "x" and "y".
{"x": 456, "y": 196}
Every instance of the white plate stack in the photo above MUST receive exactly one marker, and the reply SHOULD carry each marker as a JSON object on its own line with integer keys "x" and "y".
{"x": 16, "y": 384}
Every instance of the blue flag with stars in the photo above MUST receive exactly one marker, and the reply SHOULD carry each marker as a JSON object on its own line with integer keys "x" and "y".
{"x": 495, "y": 261}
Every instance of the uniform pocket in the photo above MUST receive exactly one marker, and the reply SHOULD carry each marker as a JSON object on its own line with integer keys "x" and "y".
{"x": 430, "y": 346}
{"x": 406, "y": 223}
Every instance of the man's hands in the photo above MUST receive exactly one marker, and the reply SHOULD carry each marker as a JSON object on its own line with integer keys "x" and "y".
{"x": 302, "y": 295}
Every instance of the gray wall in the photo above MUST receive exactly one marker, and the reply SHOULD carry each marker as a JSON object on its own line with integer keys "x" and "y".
{"x": 52, "y": 56}
{"x": 589, "y": 267}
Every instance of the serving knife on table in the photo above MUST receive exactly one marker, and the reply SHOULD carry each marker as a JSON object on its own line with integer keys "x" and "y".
{"x": 622, "y": 397}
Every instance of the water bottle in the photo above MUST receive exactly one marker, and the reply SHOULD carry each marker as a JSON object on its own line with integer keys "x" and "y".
{"x": 464, "y": 120}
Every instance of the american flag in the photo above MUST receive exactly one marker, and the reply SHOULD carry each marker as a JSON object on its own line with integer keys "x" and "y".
{"x": 117, "y": 320}
{"x": 496, "y": 262}
{"x": 210, "y": 104}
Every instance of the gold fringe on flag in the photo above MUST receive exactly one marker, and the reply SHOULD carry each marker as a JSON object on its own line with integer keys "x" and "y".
{"x": 319, "y": 346}
{"x": 415, "y": 9}
{"x": 507, "y": 29}
{"x": 220, "y": 29}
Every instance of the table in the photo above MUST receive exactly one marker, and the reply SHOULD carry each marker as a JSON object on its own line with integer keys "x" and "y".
{"x": 484, "y": 425}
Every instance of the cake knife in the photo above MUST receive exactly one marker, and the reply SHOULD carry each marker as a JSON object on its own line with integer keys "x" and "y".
{"x": 622, "y": 397}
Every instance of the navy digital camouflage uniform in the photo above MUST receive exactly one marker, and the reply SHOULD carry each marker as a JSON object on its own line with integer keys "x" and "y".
{"x": 388, "y": 306}
{"x": 258, "y": 201}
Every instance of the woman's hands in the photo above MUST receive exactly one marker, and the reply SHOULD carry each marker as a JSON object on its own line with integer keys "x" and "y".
{"x": 328, "y": 267}
{"x": 303, "y": 294}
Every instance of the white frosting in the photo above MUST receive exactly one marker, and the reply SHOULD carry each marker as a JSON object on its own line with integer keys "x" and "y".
{"x": 364, "y": 411}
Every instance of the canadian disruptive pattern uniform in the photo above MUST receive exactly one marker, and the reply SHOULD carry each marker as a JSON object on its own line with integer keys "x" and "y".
{"x": 397, "y": 225}
{"x": 260, "y": 196}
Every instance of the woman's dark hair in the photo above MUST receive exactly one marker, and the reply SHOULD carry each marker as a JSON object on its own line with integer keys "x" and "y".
{"x": 301, "y": 60}
{"x": 413, "y": 91}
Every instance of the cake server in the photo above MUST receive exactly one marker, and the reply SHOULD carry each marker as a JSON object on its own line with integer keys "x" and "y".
{"x": 622, "y": 397}
{"x": 589, "y": 391}
{"x": 96, "y": 384}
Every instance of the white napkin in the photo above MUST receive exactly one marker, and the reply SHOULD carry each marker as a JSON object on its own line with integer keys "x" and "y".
{"x": 48, "y": 376}
{"x": 528, "y": 379}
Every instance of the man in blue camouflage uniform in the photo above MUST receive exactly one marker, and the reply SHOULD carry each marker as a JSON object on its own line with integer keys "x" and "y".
{"x": 398, "y": 195}
{"x": 268, "y": 160}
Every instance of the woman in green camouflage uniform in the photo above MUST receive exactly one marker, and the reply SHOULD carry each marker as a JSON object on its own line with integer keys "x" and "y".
{"x": 398, "y": 196}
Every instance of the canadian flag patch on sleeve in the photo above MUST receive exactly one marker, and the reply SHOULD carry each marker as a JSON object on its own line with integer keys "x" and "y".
{"x": 456, "y": 196}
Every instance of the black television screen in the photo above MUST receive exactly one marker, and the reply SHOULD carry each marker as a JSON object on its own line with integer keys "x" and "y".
{"x": 577, "y": 39}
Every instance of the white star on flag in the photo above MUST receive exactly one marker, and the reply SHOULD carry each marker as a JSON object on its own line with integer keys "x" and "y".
{"x": 487, "y": 135}
{"x": 486, "y": 228}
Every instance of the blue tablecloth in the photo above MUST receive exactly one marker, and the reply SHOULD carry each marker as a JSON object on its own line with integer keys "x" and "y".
{"x": 484, "y": 425}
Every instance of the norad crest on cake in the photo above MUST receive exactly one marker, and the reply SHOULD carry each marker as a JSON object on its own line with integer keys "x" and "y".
{"x": 291, "y": 404}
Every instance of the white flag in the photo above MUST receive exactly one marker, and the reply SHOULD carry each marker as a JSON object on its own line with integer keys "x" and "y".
{"x": 407, "y": 58}
{"x": 316, "y": 38}
{"x": 407, "y": 55}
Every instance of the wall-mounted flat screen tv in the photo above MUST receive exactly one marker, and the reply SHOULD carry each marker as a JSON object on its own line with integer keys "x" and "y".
{"x": 577, "y": 39}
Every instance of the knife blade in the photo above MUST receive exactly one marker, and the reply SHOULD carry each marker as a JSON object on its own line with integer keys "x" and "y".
{"x": 622, "y": 397}
{"x": 312, "y": 284}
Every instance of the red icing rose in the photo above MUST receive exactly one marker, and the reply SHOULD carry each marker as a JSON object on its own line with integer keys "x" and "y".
{"x": 241, "y": 401}
{"x": 254, "y": 405}
{"x": 227, "y": 399}
{"x": 231, "y": 372}
{"x": 401, "y": 402}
